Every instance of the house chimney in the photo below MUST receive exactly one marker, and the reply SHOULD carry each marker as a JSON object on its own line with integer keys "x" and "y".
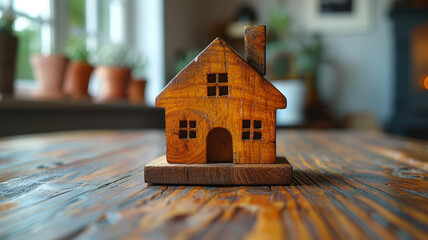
{"x": 255, "y": 47}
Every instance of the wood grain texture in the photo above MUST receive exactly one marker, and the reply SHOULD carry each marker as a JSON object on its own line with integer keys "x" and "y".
{"x": 255, "y": 47}
{"x": 219, "y": 89}
{"x": 159, "y": 171}
{"x": 89, "y": 185}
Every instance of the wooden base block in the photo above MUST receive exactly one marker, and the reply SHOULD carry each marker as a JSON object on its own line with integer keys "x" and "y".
{"x": 159, "y": 171}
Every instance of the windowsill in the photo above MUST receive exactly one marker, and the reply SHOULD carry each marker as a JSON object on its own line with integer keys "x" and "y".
{"x": 25, "y": 88}
{"x": 32, "y": 103}
{"x": 25, "y": 98}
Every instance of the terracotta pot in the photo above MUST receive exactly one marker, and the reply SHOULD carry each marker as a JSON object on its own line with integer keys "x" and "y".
{"x": 8, "y": 46}
{"x": 49, "y": 72}
{"x": 136, "y": 91}
{"x": 113, "y": 83}
{"x": 77, "y": 80}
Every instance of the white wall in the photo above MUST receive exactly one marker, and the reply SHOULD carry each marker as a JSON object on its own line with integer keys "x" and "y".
{"x": 149, "y": 38}
{"x": 180, "y": 31}
{"x": 359, "y": 76}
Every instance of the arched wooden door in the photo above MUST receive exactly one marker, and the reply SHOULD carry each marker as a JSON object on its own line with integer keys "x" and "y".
{"x": 219, "y": 146}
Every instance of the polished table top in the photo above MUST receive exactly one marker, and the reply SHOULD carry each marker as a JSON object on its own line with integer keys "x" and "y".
{"x": 90, "y": 185}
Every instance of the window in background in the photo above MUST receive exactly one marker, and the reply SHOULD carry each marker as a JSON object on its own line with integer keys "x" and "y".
{"x": 33, "y": 29}
{"x": 76, "y": 21}
{"x": 89, "y": 21}
{"x": 41, "y": 26}
{"x": 104, "y": 18}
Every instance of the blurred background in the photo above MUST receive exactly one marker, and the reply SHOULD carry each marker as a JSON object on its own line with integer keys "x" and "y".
{"x": 99, "y": 64}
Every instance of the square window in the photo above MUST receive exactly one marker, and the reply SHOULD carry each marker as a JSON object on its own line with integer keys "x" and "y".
{"x": 192, "y": 124}
{"x": 211, "y": 91}
{"x": 182, "y": 134}
{"x": 257, "y": 135}
{"x": 223, "y": 78}
{"x": 246, "y": 123}
{"x": 183, "y": 124}
{"x": 192, "y": 134}
{"x": 211, "y": 78}
{"x": 223, "y": 91}
{"x": 245, "y": 135}
{"x": 257, "y": 124}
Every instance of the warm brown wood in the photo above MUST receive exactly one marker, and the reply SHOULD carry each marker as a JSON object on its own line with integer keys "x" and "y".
{"x": 159, "y": 171}
{"x": 90, "y": 185}
{"x": 239, "y": 93}
{"x": 255, "y": 47}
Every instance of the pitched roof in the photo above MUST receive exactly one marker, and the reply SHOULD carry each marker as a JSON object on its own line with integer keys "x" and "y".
{"x": 175, "y": 82}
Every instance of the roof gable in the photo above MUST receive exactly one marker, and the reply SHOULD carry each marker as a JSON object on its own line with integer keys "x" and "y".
{"x": 225, "y": 58}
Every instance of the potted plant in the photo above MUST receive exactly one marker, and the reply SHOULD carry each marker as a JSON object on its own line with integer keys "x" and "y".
{"x": 78, "y": 71}
{"x": 8, "y": 48}
{"x": 137, "y": 85}
{"x": 282, "y": 69}
{"x": 308, "y": 61}
{"x": 49, "y": 71}
{"x": 114, "y": 64}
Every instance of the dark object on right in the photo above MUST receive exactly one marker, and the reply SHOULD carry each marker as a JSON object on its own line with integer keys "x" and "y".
{"x": 8, "y": 47}
{"x": 410, "y": 109}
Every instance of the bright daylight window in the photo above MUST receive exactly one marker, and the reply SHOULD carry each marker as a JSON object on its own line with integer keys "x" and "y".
{"x": 33, "y": 29}
{"x": 47, "y": 26}
{"x": 90, "y": 20}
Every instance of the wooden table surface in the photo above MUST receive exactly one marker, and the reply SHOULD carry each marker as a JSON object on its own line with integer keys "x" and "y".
{"x": 89, "y": 185}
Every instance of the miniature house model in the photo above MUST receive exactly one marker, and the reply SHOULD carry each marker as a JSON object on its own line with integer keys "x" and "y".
{"x": 219, "y": 108}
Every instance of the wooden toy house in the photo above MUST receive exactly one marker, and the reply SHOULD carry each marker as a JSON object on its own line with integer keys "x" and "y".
{"x": 220, "y": 108}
